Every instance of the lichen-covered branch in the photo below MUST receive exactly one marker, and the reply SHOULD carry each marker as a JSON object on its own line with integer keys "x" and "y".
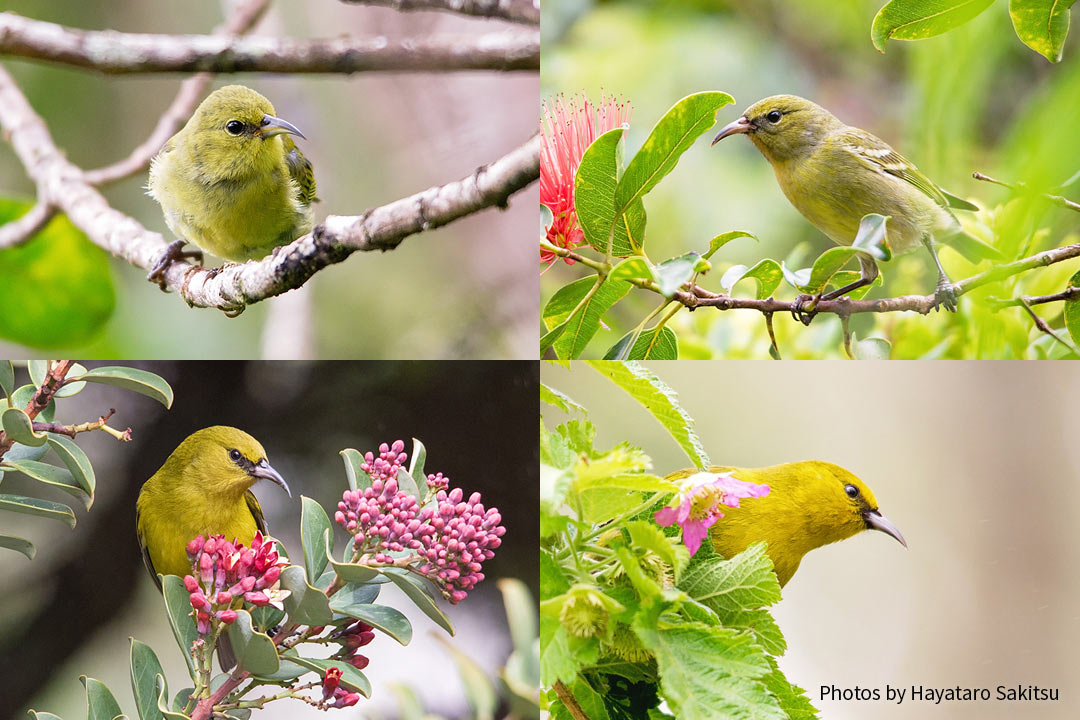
{"x": 62, "y": 185}
{"x": 115, "y": 52}
{"x": 520, "y": 11}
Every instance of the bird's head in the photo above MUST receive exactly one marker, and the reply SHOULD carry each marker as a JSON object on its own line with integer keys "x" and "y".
{"x": 783, "y": 127}
{"x": 223, "y": 460}
{"x": 846, "y": 506}
{"x": 234, "y": 133}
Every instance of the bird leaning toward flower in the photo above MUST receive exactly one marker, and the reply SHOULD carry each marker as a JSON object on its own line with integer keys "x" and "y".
{"x": 834, "y": 174}
{"x": 231, "y": 181}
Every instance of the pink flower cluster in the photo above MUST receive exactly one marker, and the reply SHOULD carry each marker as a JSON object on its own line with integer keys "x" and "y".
{"x": 452, "y": 537}
{"x": 331, "y": 690}
{"x": 228, "y": 575}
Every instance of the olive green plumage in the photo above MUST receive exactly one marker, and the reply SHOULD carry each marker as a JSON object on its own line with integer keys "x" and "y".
{"x": 232, "y": 181}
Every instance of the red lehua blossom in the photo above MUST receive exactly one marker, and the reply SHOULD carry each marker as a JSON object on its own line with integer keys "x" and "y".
{"x": 567, "y": 129}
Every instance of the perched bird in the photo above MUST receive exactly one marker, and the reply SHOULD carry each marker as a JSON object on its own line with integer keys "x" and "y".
{"x": 232, "y": 181}
{"x": 809, "y": 504}
{"x": 835, "y": 174}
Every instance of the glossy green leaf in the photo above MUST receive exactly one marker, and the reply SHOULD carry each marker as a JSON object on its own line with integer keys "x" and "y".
{"x": 723, "y": 239}
{"x": 57, "y": 287}
{"x": 178, "y": 608}
{"x": 161, "y": 690}
{"x": 594, "y": 199}
{"x": 351, "y": 678}
{"x": 305, "y": 605}
{"x": 407, "y": 485}
{"x": 871, "y": 349}
{"x": 357, "y": 593}
{"x": 846, "y": 277}
{"x": 417, "y": 591}
{"x": 919, "y": 19}
{"x": 546, "y": 218}
{"x": 672, "y": 273}
{"x": 350, "y": 572}
{"x": 19, "y": 544}
{"x": 145, "y": 669}
{"x": 7, "y": 377}
{"x": 50, "y": 475}
{"x": 1042, "y": 25}
{"x": 19, "y": 427}
{"x": 288, "y": 670}
{"x": 36, "y": 506}
{"x": 632, "y": 268}
{"x": 133, "y": 379}
{"x": 766, "y": 273}
{"x": 872, "y": 237}
{"x": 653, "y": 344}
{"x": 78, "y": 464}
{"x": 354, "y": 474}
{"x": 390, "y": 620}
{"x": 670, "y": 138}
{"x": 1072, "y": 310}
{"x": 255, "y": 651}
{"x": 38, "y": 371}
{"x": 100, "y": 703}
{"x": 43, "y": 715}
{"x": 73, "y": 388}
{"x": 181, "y": 699}
{"x": 416, "y": 465}
{"x": 582, "y": 320}
{"x": 317, "y": 537}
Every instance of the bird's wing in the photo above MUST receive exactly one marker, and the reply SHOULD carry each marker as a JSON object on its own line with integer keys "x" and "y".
{"x": 256, "y": 511}
{"x": 146, "y": 552}
{"x": 878, "y": 154}
{"x": 301, "y": 171}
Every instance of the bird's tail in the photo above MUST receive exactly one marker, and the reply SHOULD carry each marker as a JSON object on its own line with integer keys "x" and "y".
{"x": 971, "y": 247}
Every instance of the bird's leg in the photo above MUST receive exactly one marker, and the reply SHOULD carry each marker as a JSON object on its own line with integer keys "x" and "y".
{"x": 174, "y": 251}
{"x": 945, "y": 293}
{"x": 868, "y": 272}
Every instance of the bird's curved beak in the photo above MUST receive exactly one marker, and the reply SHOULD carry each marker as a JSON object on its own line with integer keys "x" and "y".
{"x": 739, "y": 127}
{"x": 263, "y": 471}
{"x": 876, "y": 521}
{"x": 271, "y": 126}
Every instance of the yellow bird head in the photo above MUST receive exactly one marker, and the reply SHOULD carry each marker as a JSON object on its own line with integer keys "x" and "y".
{"x": 783, "y": 127}
{"x": 234, "y": 134}
{"x": 222, "y": 460}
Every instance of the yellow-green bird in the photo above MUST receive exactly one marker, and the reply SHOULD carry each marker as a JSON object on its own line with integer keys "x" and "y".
{"x": 809, "y": 504}
{"x": 232, "y": 181}
{"x": 834, "y": 174}
{"x": 204, "y": 488}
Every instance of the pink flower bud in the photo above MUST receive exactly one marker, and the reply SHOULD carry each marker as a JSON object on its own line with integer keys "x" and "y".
{"x": 227, "y": 616}
{"x": 191, "y": 584}
{"x": 271, "y": 575}
{"x": 359, "y": 661}
{"x": 257, "y": 598}
{"x": 195, "y": 547}
{"x": 247, "y": 584}
{"x": 199, "y": 601}
{"x": 224, "y": 598}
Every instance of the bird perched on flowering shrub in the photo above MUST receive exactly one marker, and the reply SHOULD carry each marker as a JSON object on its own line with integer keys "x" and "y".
{"x": 232, "y": 181}
{"x": 835, "y": 174}
{"x": 793, "y": 508}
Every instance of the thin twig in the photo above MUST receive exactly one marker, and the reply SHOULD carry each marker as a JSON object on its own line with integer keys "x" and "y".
{"x": 115, "y": 52}
{"x": 1068, "y": 293}
{"x": 1043, "y": 326}
{"x": 22, "y": 229}
{"x": 567, "y": 698}
{"x": 1024, "y": 189}
{"x": 72, "y": 430}
{"x": 526, "y": 12}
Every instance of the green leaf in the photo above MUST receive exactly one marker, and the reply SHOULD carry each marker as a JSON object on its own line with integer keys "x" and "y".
{"x": 407, "y": 485}
{"x": 57, "y": 288}
{"x": 38, "y": 370}
{"x": 594, "y": 199}
{"x": 632, "y": 268}
{"x": 418, "y": 592}
{"x": 737, "y": 590}
{"x": 479, "y": 690}
{"x": 305, "y": 605}
{"x": 1072, "y": 310}
{"x": 707, "y": 671}
{"x": 521, "y": 615}
{"x": 354, "y": 474}
{"x": 288, "y": 670}
{"x": 792, "y": 698}
{"x": 181, "y": 699}
{"x": 546, "y": 218}
{"x": 872, "y": 237}
{"x": 100, "y": 703}
{"x": 919, "y": 19}
{"x": 672, "y": 273}
{"x": 317, "y": 537}
{"x": 145, "y": 669}
{"x": 660, "y": 400}
{"x": 1042, "y": 25}
{"x": 557, "y": 662}
{"x": 178, "y": 608}
{"x": 559, "y": 399}
{"x": 78, "y": 464}
{"x": 871, "y": 348}
{"x": 7, "y": 377}
{"x": 19, "y": 544}
{"x": 654, "y": 344}
{"x": 351, "y": 572}
{"x": 255, "y": 651}
{"x": 22, "y": 397}
{"x": 416, "y": 465}
{"x": 19, "y": 427}
{"x": 647, "y": 536}
{"x": 351, "y": 678}
{"x": 133, "y": 379}
{"x": 582, "y": 320}
{"x": 629, "y": 482}
{"x": 162, "y": 703}
{"x": 50, "y": 475}
{"x": 670, "y": 138}
{"x": 767, "y": 273}
{"x": 43, "y": 715}
{"x": 74, "y": 388}
{"x": 36, "y": 506}
{"x": 723, "y": 239}
{"x": 390, "y": 620}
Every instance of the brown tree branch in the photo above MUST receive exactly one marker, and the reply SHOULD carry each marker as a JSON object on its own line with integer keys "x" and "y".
{"x": 41, "y": 398}
{"x": 72, "y": 430}
{"x": 192, "y": 91}
{"x": 114, "y": 52}
{"x": 235, "y": 286}
{"x": 526, "y": 12}
{"x": 1022, "y": 188}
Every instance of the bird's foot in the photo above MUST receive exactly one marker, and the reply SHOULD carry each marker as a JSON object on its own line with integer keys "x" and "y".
{"x": 804, "y": 308}
{"x": 174, "y": 251}
{"x": 945, "y": 295}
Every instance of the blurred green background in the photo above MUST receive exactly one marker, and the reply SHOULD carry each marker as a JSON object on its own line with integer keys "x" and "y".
{"x": 374, "y": 138}
{"x": 71, "y": 610}
{"x": 972, "y": 99}
{"x": 981, "y": 482}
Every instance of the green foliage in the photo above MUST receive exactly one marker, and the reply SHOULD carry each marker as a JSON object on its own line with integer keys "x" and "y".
{"x": 57, "y": 288}
{"x": 626, "y": 620}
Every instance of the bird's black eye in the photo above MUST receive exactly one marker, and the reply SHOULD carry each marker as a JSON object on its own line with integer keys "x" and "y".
{"x": 774, "y": 117}
{"x": 852, "y": 491}
{"x": 235, "y": 456}
{"x": 234, "y": 127}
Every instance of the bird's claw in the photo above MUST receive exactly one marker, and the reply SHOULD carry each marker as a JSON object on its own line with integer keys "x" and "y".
{"x": 945, "y": 296}
{"x": 803, "y": 312}
{"x": 174, "y": 251}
